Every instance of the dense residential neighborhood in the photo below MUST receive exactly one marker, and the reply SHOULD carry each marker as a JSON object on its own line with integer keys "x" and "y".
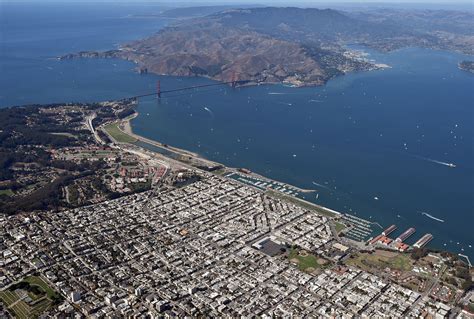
{"x": 212, "y": 248}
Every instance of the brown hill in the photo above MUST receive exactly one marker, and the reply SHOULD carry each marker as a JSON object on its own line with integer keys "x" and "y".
{"x": 218, "y": 52}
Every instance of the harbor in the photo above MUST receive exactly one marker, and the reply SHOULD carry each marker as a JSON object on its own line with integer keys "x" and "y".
{"x": 262, "y": 183}
{"x": 399, "y": 243}
{"x": 360, "y": 229}
{"x": 357, "y": 229}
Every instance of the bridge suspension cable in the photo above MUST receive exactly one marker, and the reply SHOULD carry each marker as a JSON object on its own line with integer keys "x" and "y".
{"x": 159, "y": 92}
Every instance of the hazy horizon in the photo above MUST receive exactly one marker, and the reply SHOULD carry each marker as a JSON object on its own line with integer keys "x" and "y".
{"x": 419, "y": 4}
{"x": 267, "y": 2}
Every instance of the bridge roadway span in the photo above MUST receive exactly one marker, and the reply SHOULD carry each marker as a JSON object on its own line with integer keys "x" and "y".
{"x": 159, "y": 92}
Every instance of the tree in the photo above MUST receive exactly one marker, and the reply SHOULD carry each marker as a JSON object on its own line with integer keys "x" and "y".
{"x": 419, "y": 253}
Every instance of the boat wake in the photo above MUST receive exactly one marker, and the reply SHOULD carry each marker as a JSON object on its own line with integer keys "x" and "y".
{"x": 432, "y": 217}
{"x": 209, "y": 111}
{"x": 315, "y": 101}
{"x": 320, "y": 185}
{"x": 436, "y": 161}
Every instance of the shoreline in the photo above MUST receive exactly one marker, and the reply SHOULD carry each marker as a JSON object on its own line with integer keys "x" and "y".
{"x": 127, "y": 128}
{"x": 353, "y": 234}
{"x": 139, "y": 66}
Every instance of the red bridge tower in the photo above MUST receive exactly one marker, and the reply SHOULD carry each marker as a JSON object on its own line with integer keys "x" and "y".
{"x": 234, "y": 79}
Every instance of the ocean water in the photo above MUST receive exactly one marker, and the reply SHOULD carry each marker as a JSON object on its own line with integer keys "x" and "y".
{"x": 33, "y": 35}
{"x": 372, "y": 144}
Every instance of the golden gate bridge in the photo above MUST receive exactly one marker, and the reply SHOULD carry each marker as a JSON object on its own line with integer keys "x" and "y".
{"x": 159, "y": 91}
